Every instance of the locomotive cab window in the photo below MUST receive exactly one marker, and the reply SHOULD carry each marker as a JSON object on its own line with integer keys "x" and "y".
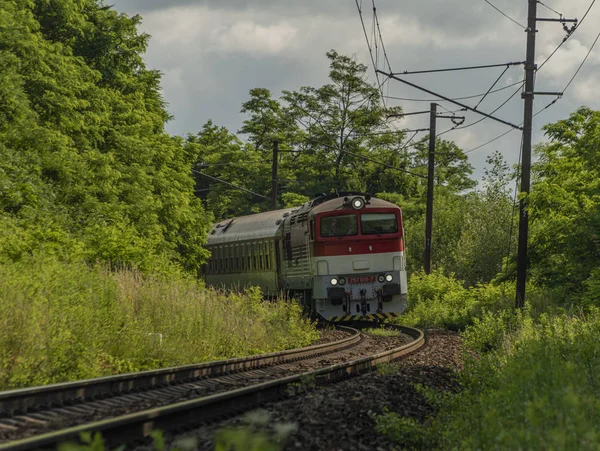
{"x": 378, "y": 223}
{"x": 345, "y": 225}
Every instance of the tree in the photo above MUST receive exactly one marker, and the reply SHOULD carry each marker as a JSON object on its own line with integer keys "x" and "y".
{"x": 88, "y": 160}
{"x": 227, "y": 172}
{"x": 564, "y": 205}
{"x": 452, "y": 169}
{"x": 340, "y": 121}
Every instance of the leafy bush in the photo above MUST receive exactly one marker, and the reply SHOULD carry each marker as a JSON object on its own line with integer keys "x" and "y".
{"x": 534, "y": 385}
{"x": 65, "y": 321}
{"x": 437, "y": 300}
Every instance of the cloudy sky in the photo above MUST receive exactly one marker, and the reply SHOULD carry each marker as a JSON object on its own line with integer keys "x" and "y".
{"x": 212, "y": 52}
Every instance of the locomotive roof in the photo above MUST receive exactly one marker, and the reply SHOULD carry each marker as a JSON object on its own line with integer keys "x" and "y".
{"x": 337, "y": 203}
{"x": 257, "y": 226}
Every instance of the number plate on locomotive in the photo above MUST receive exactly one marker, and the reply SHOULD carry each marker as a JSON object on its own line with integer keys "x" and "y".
{"x": 361, "y": 279}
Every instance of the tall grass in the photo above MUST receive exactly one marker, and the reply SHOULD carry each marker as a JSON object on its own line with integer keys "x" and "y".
{"x": 67, "y": 321}
{"x": 534, "y": 385}
{"x": 539, "y": 389}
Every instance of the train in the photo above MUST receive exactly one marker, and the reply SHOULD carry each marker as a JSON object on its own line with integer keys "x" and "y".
{"x": 341, "y": 255}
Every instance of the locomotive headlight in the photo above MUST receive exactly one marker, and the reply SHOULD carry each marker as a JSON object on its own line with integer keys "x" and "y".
{"x": 342, "y": 281}
{"x": 358, "y": 203}
{"x": 381, "y": 278}
{"x": 333, "y": 281}
{"x": 389, "y": 277}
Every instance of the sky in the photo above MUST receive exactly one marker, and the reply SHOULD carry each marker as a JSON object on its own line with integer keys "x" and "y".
{"x": 212, "y": 52}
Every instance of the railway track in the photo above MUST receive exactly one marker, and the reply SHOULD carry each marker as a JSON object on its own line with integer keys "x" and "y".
{"x": 127, "y": 407}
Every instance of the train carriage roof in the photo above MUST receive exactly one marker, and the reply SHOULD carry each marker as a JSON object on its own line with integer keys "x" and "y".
{"x": 252, "y": 227}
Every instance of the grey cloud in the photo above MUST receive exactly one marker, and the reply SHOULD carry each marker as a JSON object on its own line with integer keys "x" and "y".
{"x": 204, "y": 82}
{"x": 464, "y": 17}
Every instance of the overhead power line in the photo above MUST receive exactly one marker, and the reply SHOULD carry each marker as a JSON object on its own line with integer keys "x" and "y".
{"x": 233, "y": 163}
{"x": 492, "y": 87}
{"x": 380, "y": 37}
{"x": 505, "y": 15}
{"x": 569, "y": 34}
{"x": 551, "y": 9}
{"x": 454, "y": 69}
{"x": 466, "y": 107}
{"x": 485, "y": 117}
{"x": 474, "y": 96}
{"x": 582, "y": 63}
{"x": 372, "y": 160}
{"x": 228, "y": 183}
{"x": 510, "y": 130}
{"x": 370, "y": 51}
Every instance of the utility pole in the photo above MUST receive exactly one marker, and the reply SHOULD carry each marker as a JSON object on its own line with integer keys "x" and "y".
{"x": 430, "y": 180}
{"x": 528, "y": 95}
{"x": 274, "y": 175}
{"x": 433, "y": 115}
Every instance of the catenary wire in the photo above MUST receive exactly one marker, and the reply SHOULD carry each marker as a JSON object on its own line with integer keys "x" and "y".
{"x": 457, "y": 98}
{"x": 492, "y": 87}
{"x": 551, "y": 9}
{"x": 504, "y": 14}
{"x": 567, "y": 36}
{"x": 582, "y": 63}
{"x": 408, "y": 141}
{"x": 380, "y": 37}
{"x": 483, "y": 118}
{"x": 510, "y": 130}
{"x": 229, "y": 183}
{"x": 372, "y": 160}
{"x": 380, "y": 88}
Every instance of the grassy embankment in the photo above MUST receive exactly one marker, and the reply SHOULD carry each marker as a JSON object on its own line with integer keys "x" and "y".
{"x": 530, "y": 379}
{"x": 65, "y": 322}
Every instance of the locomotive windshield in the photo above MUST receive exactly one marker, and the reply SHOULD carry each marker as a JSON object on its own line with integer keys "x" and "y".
{"x": 376, "y": 223}
{"x": 345, "y": 225}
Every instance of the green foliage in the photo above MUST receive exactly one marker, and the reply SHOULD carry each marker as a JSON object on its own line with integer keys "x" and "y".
{"x": 388, "y": 368}
{"x": 85, "y": 163}
{"x": 221, "y": 154}
{"x": 437, "y": 300}
{"x": 89, "y": 442}
{"x": 492, "y": 330}
{"x": 539, "y": 392}
{"x": 293, "y": 200}
{"x": 383, "y": 332}
{"x": 472, "y": 230}
{"x": 96, "y": 443}
{"x": 406, "y": 431}
{"x": 66, "y": 321}
{"x": 338, "y": 132}
{"x": 591, "y": 294}
{"x": 532, "y": 385}
{"x": 564, "y": 205}
{"x": 256, "y": 435}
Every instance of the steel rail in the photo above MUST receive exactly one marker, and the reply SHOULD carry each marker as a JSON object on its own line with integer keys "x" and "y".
{"x": 22, "y": 400}
{"x": 135, "y": 426}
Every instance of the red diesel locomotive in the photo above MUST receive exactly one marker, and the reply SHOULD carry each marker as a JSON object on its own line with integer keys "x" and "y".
{"x": 342, "y": 254}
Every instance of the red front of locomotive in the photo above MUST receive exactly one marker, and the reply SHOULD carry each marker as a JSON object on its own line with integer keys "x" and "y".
{"x": 358, "y": 260}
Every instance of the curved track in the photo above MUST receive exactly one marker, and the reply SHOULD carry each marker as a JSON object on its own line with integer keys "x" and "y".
{"x": 179, "y": 397}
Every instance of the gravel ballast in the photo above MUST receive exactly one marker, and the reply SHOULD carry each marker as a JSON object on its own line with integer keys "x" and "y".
{"x": 338, "y": 416}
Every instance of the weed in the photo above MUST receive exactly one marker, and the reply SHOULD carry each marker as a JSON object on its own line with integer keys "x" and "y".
{"x": 383, "y": 332}
{"x": 257, "y": 434}
{"x": 389, "y": 368}
{"x": 68, "y": 321}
